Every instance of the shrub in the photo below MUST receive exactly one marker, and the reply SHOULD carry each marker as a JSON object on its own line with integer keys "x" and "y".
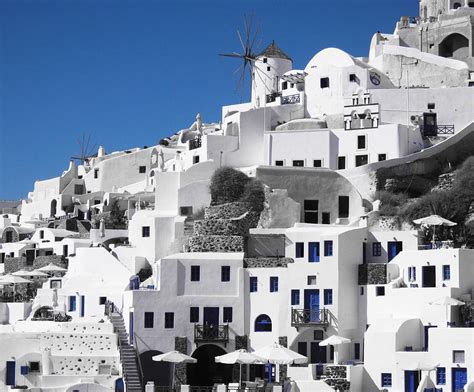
{"x": 227, "y": 185}
{"x": 254, "y": 195}
{"x": 391, "y": 203}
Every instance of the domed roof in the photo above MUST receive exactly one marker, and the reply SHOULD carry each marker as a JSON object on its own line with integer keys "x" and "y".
{"x": 334, "y": 57}
{"x": 274, "y": 51}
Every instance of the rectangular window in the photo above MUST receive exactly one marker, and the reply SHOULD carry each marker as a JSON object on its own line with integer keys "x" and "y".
{"x": 380, "y": 291}
{"x": 446, "y": 272}
{"x": 431, "y": 106}
{"x": 169, "y": 320}
{"x": 386, "y": 379}
{"x": 313, "y": 252}
{"x": 96, "y": 173}
{"x": 311, "y": 211}
{"x": 324, "y": 82}
{"x": 34, "y": 367}
{"x": 279, "y": 163}
{"x": 273, "y": 284}
{"x": 318, "y": 334}
{"x": 352, "y": 77}
{"x": 411, "y": 274}
{"x": 225, "y": 273}
{"x": 195, "y": 273}
{"x": 328, "y": 248}
{"x": 317, "y": 163}
{"x": 327, "y": 296}
{"x": 253, "y": 284}
{"x": 298, "y": 163}
{"x": 356, "y": 350}
{"x": 299, "y": 250}
{"x": 362, "y": 160}
{"x": 341, "y": 163}
{"x": 361, "y": 142}
{"x": 295, "y": 297}
{"x": 441, "y": 376}
{"x": 195, "y": 159}
{"x": 343, "y": 206}
{"x": 102, "y": 300}
{"x": 41, "y": 234}
{"x": 145, "y": 231}
{"x": 361, "y": 290}
{"x": 303, "y": 348}
{"x": 458, "y": 356}
{"x": 326, "y": 218}
{"x": 227, "y": 315}
{"x": 149, "y": 319}
{"x": 382, "y": 157}
{"x": 142, "y": 169}
{"x": 376, "y": 249}
{"x": 268, "y": 69}
{"x": 72, "y": 303}
{"x": 311, "y": 280}
{"x": 284, "y": 85}
{"x": 193, "y": 314}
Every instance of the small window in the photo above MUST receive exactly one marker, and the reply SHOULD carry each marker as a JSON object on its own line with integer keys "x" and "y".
{"x": 169, "y": 320}
{"x": 268, "y": 69}
{"x": 380, "y": 291}
{"x": 361, "y": 160}
{"x": 34, "y": 367}
{"x": 386, "y": 379}
{"x": 361, "y": 290}
{"x": 225, "y": 273}
{"x": 431, "y": 106}
{"x": 142, "y": 169}
{"x": 145, "y": 231}
{"x": 356, "y": 350}
{"x": 341, "y": 163}
{"x": 102, "y": 300}
{"x": 195, "y": 273}
{"x": 41, "y": 234}
{"x": 253, "y": 284}
{"x": 193, "y": 314}
{"x": 149, "y": 319}
{"x": 382, "y": 157}
{"x": 343, "y": 206}
{"x": 265, "y": 60}
{"x": 279, "y": 163}
{"x": 458, "y": 356}
{"x": 327, "y": 296}
{"x": 361, "y": 142}
{"x": 352, "y": 77}
{"x": 328, "y": 248}
{"x": 227, "y": 315}
{"x": 263, "y": 323}
{"x": 295, "y": 297}
{"x": 441, "y": 376}
{"x": 311, "y": 280}
{"x": 273, "y": 284}
{"x": 411, "y": 274}
{"x": 317, "y": 163}
{"x": 284, "y": 85}
{"x": 376, "y": 249}
{"x": 324, "y": 82}
{"x": 298, "y": 163}
{"x": 299, "y": 250}
{"x": 195, "y": 159}
{"x": 318, "y": 334}
{"x": 72, "y": 303}
{"x": 326, "y": 218}
{"x": 186, "y": 210}
{"x": 311, "y": 208}
{"x": 446, "y": 272}
{"x": 96, "y": 173}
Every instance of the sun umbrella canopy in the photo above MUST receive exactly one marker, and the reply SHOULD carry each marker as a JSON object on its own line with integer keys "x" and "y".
{"x": 52, "y": 268}
{"x": 29, "y": 273}
{"x": 279, "y": 355}
{"x": 174, "y": 357}
{"x": 241, "y": 357}
{"x": 447, "y": 301}
{"x": 334, "y": 340}
{"x": 434, "y": 220}
{"x": 10, "y": 279}
{"x": 420, "y": 365}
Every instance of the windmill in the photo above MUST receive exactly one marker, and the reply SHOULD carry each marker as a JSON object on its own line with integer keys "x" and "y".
{"x": 248, "y": 55}
{"x": 86, "y": 149}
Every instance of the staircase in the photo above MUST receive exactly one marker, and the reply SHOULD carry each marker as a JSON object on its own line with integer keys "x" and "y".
{"x": 128, "y": 355}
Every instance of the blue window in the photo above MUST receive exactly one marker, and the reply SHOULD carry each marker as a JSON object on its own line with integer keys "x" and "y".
{"x": 227, "y": 315}
{"x": 313, "y": 252}
{"x": 295, "y": 297}
{"x": 253, "y": 284}
{"x": 72, "y": 303}
{"x": 193, "y": 314}
{"x": 446, "y": 272}
{"x": 411, "y": 274}
{"x": 263, "y": 323}
{"x": 273, "y": 284}
{"x": 386, "y": 379}
{"x": 195, "y": 273}
{"x": 376, "y": 249}
{"x": 327, "y": 248}
{"x": 299, "y": 249}
{"x": 169, "y": 320}
{"x": 225, "y": 273}
{"x": 441, "y": 376}
{"x": 327, "y": 296}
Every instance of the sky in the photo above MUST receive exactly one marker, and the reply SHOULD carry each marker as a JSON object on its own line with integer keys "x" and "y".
{"x": 128, "y": 73}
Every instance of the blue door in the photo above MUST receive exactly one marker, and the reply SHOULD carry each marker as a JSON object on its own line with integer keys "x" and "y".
{"x": 313, "y": 252}
{"x": 412, "y": 379}
{"x": 311, "y": 304}
{"x": 459, "y": 379}
{"x": 130, "y": 327}
{"x": 393, "y": 249}
{"x": 10, "y": 373}
{"x": 83, "y": 305}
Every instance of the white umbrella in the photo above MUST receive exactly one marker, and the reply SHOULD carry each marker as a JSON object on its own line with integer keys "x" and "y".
{"x": 448, "y": 302}
{"x": 14, "y": 280}
{"x": 242, "y": 357}
{"x": 420, "y": 365}
{"x": 434, "y": 220}
{"x": 29, "y": 273}
{"x": 174, "y": 357}
{"x": 334, "y": 340}
{"x": 52, "y": 268}
{"x": 280, "y": 355}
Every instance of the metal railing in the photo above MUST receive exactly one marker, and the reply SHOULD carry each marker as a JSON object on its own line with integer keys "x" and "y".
{"x": 445, "y": 129}
{"x": 308, "y": 317}
{"x": 195, "y": 143}
{"x": 206, "y": 333}
{"x": 289, "y": 99}
{"x": 272, "y": 97}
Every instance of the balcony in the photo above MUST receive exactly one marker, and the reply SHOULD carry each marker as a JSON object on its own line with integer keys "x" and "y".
{"x": 290, "y": 99}
{"x": 273, "y": 96}
{"x": 207, "y": 333}
{"x": 310, "y": 318}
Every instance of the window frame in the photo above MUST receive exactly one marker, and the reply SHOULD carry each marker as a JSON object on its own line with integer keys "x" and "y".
{"x": 227, "y": 314}
{"x": 441, "y": 375}
{"x": 328, "y": 248}
{"x": 274, "y": 284}
{"x": 148, "y": 320}
{"x": 295, "y": 297}
{"x": 299, "y": 250}
{"x": 169, "y": 320}
{"x": 225, "y": 273}
{"x": 376, "y": 249}
{"x": 386, "y": 380}
{"x": 446, "y": 271}
{"x": 253, "y": 284}
{"x": 146, "y": 231}
{"x": 195, "y": 273}
{"x": 328, "y": 296}
{"x": 325, "y": 82}
{"x": 194, "y": 314}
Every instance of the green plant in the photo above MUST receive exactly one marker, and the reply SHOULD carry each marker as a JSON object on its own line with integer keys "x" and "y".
{"x": 117, "y": 216}
{"x": 254, "y": 195}
{"x": 227, "y": 185}
{"x": 391, "y": 203}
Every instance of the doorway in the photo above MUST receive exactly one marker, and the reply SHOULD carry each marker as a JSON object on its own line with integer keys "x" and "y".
{"x": 459, "y": 379}
{"x": 311, "y": 305}
{"x": 318, "y": 353}
{"x": 393, "y": 249}
{"x": 429, "y": 276}
{"x": 206, "y": 372}
{"x": 412, "y": 379}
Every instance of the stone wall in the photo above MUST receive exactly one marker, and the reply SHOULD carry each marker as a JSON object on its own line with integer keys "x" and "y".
{"x": 389, "y": 223}
{"x": 232, "y": 226}
{"x": 372, "y": 274}
{"x": 267, "y": 262}
{"x": 336, "y": 377}
{"x": 283, "y": 340}
{"x": 181, "y": 345}
{"x": 13, "y": 264}
{"x": 216, "y": 243}
{"x": 226, "y": 211}
{"x": 445, "y": 182}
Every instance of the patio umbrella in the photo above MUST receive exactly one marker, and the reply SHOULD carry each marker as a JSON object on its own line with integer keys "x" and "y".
{"x": 334, "y": 340}
{"x": 448, "y": 302}
{"x": 242, "y": 357}
{"x": 14, "y": 280}
{"x": 174, "y": 357}
{"x": 29, "y": 273}
{"x": 434, "y": 220}
{"x": 280, "y": 355}
{"x": 52, "y": 268}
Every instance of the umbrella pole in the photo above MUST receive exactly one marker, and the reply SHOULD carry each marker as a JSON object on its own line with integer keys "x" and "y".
{"x": 434, "y": 234}
{"x": 240, "y": 375}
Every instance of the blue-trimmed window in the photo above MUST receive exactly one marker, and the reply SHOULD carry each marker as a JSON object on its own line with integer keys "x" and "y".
{"x": 273, "y": 284}
{"x": 295, "y": 297}
{"x": 227, "y": 315}
{"x": 411, "y": 273}
{"x": 376, "y": 249}
{"x": 169, "y": 320}
{"x": 72, "y": 303}
{"x": 299, "y": 250}
{"x": 194, "y": 314}
{"x": 327, "y": 296}
{"x": 225, "y": 273}
{"x": 253, "y": 284}
{"x": 441, "y": 376}
{"x": 386, "y": 379}
{"x": 446, "y": 272}
{"x": 195, "y": 273}
{"x": 328, "y": 247}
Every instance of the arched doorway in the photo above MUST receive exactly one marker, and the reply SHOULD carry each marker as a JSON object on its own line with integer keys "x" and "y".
{"x": 54, "y": 204}
{"x": 158, "y": 372}
{"x": 454, "y": 46}
{"x": 206, "y": 372}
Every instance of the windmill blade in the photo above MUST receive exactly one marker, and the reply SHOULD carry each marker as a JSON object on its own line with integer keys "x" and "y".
{"x": 240, "y": 39}
{"x": 257, "y": 32}
{"x": 238, "y": 69}
{"x": 235, "y": 55}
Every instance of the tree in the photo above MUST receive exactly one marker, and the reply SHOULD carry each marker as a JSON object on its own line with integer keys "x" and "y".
{"x": 117, "y": 216}
{"x": 227, "y": 185}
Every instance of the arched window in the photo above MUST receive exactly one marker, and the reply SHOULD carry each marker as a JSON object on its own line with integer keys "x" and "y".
{"x": 263, "y": 323}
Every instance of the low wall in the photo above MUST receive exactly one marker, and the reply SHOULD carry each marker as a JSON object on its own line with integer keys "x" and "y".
{"x": 372, "y": 274}
{"x": 226, "y": 211}
{"x": 216, "y": 243}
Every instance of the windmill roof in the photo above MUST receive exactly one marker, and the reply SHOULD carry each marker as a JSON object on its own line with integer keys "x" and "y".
{"x": 274, "y": 51}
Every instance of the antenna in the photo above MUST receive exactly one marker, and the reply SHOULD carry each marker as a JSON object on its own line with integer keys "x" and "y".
{"x": 86, "y": 149}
